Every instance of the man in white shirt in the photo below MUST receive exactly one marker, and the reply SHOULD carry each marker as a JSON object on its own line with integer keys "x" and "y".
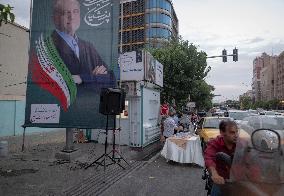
{"x": 169, "y": 127}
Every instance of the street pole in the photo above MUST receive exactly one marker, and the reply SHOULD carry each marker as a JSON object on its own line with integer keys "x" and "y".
{"x": 69, "y": 146}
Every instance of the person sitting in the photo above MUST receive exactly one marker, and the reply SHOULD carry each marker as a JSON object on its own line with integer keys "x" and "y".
{"x": 225, "y": 142}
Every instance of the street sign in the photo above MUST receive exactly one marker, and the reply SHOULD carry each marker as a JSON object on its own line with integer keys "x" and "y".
{"x": 190, "y": 104}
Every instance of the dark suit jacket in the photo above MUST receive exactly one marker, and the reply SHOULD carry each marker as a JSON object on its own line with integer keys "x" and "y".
{"x": 88, "y": 60}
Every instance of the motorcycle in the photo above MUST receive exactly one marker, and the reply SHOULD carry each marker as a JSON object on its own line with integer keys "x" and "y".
{"x": 257, "y": 168}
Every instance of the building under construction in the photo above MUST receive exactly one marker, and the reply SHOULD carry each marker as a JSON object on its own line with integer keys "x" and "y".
{"x": 146, "y": 23}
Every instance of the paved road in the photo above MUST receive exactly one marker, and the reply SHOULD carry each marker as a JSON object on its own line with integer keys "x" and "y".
{"x": 160, "y": 178}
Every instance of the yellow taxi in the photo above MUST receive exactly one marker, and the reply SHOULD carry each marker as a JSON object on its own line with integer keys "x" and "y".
{"x": 208, "y": 128}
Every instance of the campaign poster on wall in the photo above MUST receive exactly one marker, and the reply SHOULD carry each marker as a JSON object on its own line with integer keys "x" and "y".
{"x": 132, "y": 66}
{"x": 73, "y": 55}
{"x": 159, "y": 74}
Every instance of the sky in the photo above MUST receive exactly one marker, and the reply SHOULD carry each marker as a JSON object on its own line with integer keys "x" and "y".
{"x": 253, "y": 26}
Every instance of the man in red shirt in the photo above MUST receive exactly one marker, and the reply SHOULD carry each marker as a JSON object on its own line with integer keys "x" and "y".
{"x": 165, "y": 109}
{"x": 225, "y": 142}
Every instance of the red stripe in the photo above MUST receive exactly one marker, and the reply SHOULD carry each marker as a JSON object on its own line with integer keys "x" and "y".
{"x": 41, "y": 78}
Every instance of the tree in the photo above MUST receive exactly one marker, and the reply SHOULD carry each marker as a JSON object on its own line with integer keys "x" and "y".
{"x": 184, "y": 71}
{"x": 267, "y": 105}
{"x": 5, "y": 14}
{"x": 246, "y": 102}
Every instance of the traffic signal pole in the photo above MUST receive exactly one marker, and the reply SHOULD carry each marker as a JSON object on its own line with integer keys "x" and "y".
{"x": 225, "y": 55}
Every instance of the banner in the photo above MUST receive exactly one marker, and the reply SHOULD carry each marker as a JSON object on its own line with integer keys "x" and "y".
{"x": 73, "y": 54}
{"x": 132, "y": 66}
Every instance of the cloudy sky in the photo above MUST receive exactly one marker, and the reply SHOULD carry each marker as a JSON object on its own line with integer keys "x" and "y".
{"x": 253, "y": 26}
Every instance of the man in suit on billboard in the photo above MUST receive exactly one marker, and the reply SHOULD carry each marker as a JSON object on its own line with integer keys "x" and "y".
{"x": 80, "y": 57}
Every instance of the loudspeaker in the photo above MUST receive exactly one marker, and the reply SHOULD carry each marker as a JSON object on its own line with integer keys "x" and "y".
{"x": 112, "y": 101}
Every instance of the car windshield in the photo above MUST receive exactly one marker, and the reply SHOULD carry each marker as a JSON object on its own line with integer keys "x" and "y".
{"x": 269, "y": 113}
{"x": 238, "y": 115}
{"x": 268, "y": 122}
{"x": 212, "y": 123}
{"x": 253, "y": 165}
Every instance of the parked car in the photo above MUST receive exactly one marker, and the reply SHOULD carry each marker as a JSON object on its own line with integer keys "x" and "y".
{"x": 274, "y": 122}
{"x": 201, "y": 114}
{"x": 237, "y": 115}
{"x": 208, "y": 128}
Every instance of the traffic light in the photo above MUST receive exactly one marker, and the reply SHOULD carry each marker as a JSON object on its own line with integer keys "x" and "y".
{"x": 235, "y": 54}
{"x": 224, "y": 54}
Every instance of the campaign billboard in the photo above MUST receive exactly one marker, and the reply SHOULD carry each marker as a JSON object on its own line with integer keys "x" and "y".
{"x": 72, "y": 56}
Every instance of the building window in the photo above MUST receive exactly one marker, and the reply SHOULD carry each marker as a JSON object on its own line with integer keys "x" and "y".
{"x": 138, "y": 35}
{"x": 137, "y": 47}
{"x": 163, "y": 4}
{"x": 138, "y": 6}
{"x": 126, "y": 37}
{"x": 159, "y": 18}
{"x": 156, "y": 32}
{"x": 138, "y": 21}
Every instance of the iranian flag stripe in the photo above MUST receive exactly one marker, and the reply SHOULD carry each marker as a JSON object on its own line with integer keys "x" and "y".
{"x": 41, "y": 78}
{"x": 61, "y": 67}
{"x": 50, "y": 69}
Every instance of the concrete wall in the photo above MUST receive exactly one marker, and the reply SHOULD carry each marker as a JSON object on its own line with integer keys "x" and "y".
{"x": 14, "y": 44}
{"x": 12, "y": 118}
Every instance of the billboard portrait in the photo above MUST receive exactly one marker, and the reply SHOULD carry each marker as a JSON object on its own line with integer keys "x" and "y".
{"x": 150, "y": 68}
{"x": 73, "y": 54}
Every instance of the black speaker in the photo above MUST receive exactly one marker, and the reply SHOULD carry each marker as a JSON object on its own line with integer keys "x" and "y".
{"x": 112, "y": 101}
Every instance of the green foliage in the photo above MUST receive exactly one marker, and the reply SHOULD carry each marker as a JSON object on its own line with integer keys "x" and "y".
{"x": 267, "y": 105}
{"x": 184, "y": 71}
{"x": 233, "y": 104}
{"x": 246, "y": 103}
{"x": 5, "y": 14}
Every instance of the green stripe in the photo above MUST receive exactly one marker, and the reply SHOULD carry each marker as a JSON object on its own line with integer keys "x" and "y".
{"x": 61, "y": 68}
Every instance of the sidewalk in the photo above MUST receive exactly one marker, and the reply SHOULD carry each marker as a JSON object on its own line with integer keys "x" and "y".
{"x": 37, "y": 172}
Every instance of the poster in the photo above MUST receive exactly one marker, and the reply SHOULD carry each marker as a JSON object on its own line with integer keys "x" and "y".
{"x": 132, "y": 66}
{"x": 150, "y": 68}
{"x": 73, "y": 54}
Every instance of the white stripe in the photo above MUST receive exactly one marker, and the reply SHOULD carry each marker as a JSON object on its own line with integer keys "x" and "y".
{"x": 47, "y": 65}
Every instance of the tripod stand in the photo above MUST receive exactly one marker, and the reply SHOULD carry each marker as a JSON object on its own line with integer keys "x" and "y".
{"x": 114, "y": 150}
{"x": 102, "y": 159}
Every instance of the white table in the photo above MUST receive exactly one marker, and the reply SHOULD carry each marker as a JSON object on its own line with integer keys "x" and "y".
{"x": 189, "y": 152}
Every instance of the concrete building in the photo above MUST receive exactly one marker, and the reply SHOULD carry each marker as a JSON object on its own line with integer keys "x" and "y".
{"x": 147, "y": 23}
{"x": 280, "y": 77}
{"x": 257, "y": 65}
{"x": 247, "y": 94}
{"x": 264, "y": 77}
{"x": 14, "y": 44}
{"x": 267, "y": 77}
{"x": 14, "y": 47}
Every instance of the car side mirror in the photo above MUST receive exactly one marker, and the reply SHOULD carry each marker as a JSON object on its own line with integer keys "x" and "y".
{"x": 266, "y": 140}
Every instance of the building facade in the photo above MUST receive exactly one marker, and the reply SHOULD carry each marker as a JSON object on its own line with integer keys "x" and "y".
{"x": 146, "y": 23}
{"x": 280, "y": 77}
{"x": 264, "y": 77}
{"x": 257, "y": 65}
{"x": 14, "y": 44}
{"x": 267, "y": 77}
